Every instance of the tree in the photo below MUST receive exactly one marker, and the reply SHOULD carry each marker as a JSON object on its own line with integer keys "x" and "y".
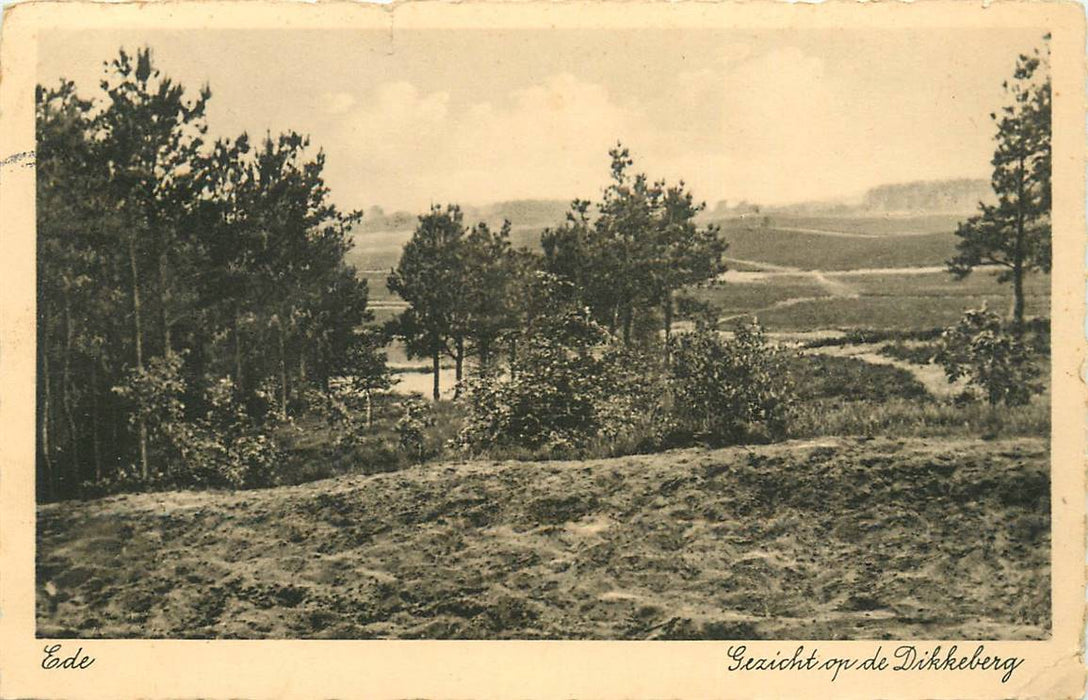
{"x": 490, "y": 273}
{"x": 172, "y": 273}
{"x": 429, "y": 277}
{"x": 148, "y": 137}
{"x": 1015, "y": 232}
{"x": 999, "y": 363}
{"x": 642, "y": 247}
{"x": 72, "y": 221}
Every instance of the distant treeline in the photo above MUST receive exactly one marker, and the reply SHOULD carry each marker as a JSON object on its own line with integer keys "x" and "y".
{"x": 527, "y": 212}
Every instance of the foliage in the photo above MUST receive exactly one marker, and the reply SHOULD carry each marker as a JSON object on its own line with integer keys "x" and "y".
{"x": 551, "y": 397}
{"x": 218, "y": 447}
{"x": 642, "y": 248}
{"x": 412, "y": 426}
{"x": 167, "y": 263}
{"x": 1015, "y": 232}
{"x": 727, "y": 389}
{"x": 459, "y": 285}
{"x": 992, "y": 358}
{"x": 919, "y": 354}
{"x": 569, "y": 387}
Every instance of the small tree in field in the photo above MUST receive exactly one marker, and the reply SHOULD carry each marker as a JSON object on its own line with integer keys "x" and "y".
{"x": 1015, "y": 233}
{"x": 999, "y": 363}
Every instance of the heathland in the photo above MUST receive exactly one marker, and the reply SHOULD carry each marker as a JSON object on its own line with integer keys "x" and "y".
{"x": 233, "y": 439}
{"x": 892, "y": 513}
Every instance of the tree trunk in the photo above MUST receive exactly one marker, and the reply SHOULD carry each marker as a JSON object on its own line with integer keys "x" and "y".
{"x": 301, "y": 383}
{"x": 628, "y": 316}
{"x": 283, "y": 371}
{"x": 484, "y": 351}
{"x": 66, "y": 389}
{"x": 436, "y": 393}
{"x": 1018, "y": 299}
{"x": 95, "y": 420}
{"x": 369, "y": 409}
{"x": 513, "y": 354}
{"x": 139, "y": 339}
{"x": 460, "y": 363}
{"x": 237, "y": 355}
{"x": 666, "y": 311}
{"x": 164, "y": 302}
{"x": 1018, "y": 256}
{"x": 47, "y": 456}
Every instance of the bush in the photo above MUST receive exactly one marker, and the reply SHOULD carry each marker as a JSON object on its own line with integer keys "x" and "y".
{"x": 572, "y": 389}
{"x": 220, "y": 447}
{"x": 412, "y": 427}
{"x": 730, "y": 390}
{"x": 992, "y": 358}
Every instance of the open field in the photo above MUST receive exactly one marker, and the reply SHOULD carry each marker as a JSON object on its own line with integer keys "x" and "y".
{"x": 812, "y": 251}
{"x": 890, "y": 225}
{"x": 871, "y": 298}
{"x": 881, "y": 272}
{"x": 918, "y": 241}
{"x": 380, "y": 250}
{"x": 887, "y": 312}
{"x": 809, "y": 540}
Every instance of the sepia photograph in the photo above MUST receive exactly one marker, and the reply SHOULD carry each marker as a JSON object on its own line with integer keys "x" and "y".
{"x": 546, "y": 327}
{"x": 670, "y": 335}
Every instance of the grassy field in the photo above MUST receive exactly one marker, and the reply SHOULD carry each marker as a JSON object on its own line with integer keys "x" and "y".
{"x": 808, "y": 540}
{"x": 867, "y": 225}
{"x": 740, "y": 298}
{"x": 982, "y": 282}
{"x": 808, "y": 251}
{"x": 862, "y": 285}
{"x": 887, "y": 312}
{"x": 889, "y": 242}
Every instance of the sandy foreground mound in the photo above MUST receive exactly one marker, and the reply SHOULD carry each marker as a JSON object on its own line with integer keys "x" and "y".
{"x": 831, "y": 539}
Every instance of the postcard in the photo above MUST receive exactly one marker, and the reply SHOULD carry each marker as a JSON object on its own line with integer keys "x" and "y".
{"x": 542, "y": 350}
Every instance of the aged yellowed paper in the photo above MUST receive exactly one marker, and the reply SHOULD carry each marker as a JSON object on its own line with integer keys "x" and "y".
{"x": 596, "y": 350}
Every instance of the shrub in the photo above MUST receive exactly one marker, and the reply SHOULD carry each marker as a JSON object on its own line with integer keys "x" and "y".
{"x": 571, "y": 389}
{"x": 550, "y": 399}
{"x": 729, "y": 390}
{"x": 412, "y": 426}
{"x": 219, "y": 447}
{"x": 993, "y": 359}
{"x": 156, "y": 393}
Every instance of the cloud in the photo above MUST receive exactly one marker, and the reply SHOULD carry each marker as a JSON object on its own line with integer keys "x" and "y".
{"x": 336, "y": 102}
{"x": 545, "y": 140}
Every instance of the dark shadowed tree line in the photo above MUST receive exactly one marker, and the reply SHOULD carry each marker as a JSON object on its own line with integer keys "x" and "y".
{"x": 188, "y": 292}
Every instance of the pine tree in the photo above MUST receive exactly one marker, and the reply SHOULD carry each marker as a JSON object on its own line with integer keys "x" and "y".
{"x": 1015, "y": 233}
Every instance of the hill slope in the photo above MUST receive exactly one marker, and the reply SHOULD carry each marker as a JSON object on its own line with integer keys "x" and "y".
{"x": 843, "y": 538}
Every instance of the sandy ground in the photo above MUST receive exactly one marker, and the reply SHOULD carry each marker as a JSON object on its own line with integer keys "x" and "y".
{"x": 833, "y": 539}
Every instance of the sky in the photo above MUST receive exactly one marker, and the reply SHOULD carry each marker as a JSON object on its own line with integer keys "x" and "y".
{"x": 415, "y": 117}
